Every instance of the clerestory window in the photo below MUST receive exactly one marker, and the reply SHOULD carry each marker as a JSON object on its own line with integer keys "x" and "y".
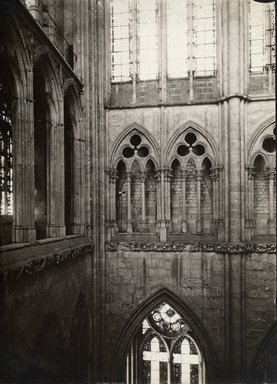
{"x": 262, "y": 36}
{"x": 191, "y": 38}
{"x": 137, "y": 48}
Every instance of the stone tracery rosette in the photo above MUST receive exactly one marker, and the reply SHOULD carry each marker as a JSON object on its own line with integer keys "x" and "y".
{"x": 165, "y": 320}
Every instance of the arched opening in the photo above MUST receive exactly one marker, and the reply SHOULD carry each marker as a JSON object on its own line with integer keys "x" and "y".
{"x": 121, "y": 197}
{"x": 164, "y": 351}
{"x": 261, "y": 196}
{"x": 150, "y": 196}
{"x": 176, "y": 196}
{"x": 41, "y": 123}
{"x": 6, "y": 154}
{"x": 136, "y": 196}
{"x": 206, "y": 196}
{"x": 69, "y": 154}
{"x": 191, "y": 196}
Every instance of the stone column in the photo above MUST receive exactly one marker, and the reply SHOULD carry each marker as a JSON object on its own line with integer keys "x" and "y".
{"x": 167, "y": 183}
{"x": 143, "y": 214}
{"x": 23, "y": 163}
{"x": 234, "y": 129}
{"x": 271, "y": 173}
{"x": 55, "y": 167}
{"x": 250, "y": 198}
{"x": 215, "y": 180}
{"x": 129, "y": 202}
{"x": 111, "y": 211}
{"x": 184, "y": 222}
{"x": 161, "y": 202}
{"x": 198, "y": 185}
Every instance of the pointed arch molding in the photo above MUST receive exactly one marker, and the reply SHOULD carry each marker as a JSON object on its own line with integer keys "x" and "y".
{"x": 198, "y": 128}
{"x": 126, "y": 132}
{"x": 257, "y": 134}
{"x": 199, "y": 334}
{"x": 264, "y": 354}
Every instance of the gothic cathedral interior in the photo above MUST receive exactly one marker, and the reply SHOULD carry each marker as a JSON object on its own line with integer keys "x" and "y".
{"x": 138, "y": 192}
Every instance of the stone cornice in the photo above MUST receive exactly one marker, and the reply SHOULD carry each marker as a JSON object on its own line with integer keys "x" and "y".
{"x": 242, "y": 248}
{"x": 18, "y": 271}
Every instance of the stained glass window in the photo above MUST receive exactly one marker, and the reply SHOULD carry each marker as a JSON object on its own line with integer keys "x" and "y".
{"x": 262, "y": 36}
{"x": 155, "y": 357}
{"x": 165, "y": 319}
{"x": 186, "y": 361}
{"x": 168, "y": 354}
{"x": 6, "y": 150}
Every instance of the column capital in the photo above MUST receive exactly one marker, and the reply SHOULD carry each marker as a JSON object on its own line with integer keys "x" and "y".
{"x": 129, "y": 175}
{"x": 142, "y": 175}
{"x": 198, "y": 174}
{"x": 271, "y": 173}
{"x": 113, "y": 174}
{"x": 214, "y": 174}
{"x": 251, "y": 172}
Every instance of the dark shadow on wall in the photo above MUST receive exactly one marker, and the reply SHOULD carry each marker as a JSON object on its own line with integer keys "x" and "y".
{"x": 49, "y": 358}
{"x": 264, "y": 369}
{"x": 80, "y": 342}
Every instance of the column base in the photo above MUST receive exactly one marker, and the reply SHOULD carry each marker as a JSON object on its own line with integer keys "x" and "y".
{"x": 184, "y": 226}
{"x": 142, "y": 226}
{"x": 218, "y": 229}
{"x": 73, "y": 229}
{"x": 23, "y": 235}
{"x": 129, "y": 227}
{"x": 55, "y": 231}
{"x": 272, "y": 227}
{"x": 163, "y": 231}
{"x": 198, "y": 227}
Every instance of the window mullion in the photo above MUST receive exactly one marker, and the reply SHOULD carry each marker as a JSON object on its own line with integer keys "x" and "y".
{"x": 133, "y": 47}
{"x": 190, "y": 6}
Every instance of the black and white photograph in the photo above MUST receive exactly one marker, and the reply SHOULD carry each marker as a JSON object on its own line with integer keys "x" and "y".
{"x": 138, "y": 192}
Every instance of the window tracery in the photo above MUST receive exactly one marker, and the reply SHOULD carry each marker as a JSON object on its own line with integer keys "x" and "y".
{"x": 168, "y": 353}
{"x": 262, "y": 184}
{"x": 135, "y": 32}
{"x": 136, "y": 186}
{"x": 262, "y": 36}
{"x": 195, "y": 206}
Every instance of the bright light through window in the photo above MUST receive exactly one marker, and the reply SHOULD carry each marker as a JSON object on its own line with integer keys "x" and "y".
{"x": 262, "y": 36}
{"x": 120, "y": 41}
{"x": 204, "y": 37}
{"x": 147, "y": 39}
{"x": 177, "y": 39}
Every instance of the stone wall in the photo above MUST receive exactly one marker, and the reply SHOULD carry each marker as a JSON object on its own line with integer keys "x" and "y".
{"x": 204, "y": 278}
{"x": 45, "y": 313}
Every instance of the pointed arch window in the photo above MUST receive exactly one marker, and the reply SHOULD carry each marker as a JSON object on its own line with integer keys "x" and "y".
{"x": 194, "y": 185}
{"x": 136, "y": 186}
{"x": 167, "y": 352}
